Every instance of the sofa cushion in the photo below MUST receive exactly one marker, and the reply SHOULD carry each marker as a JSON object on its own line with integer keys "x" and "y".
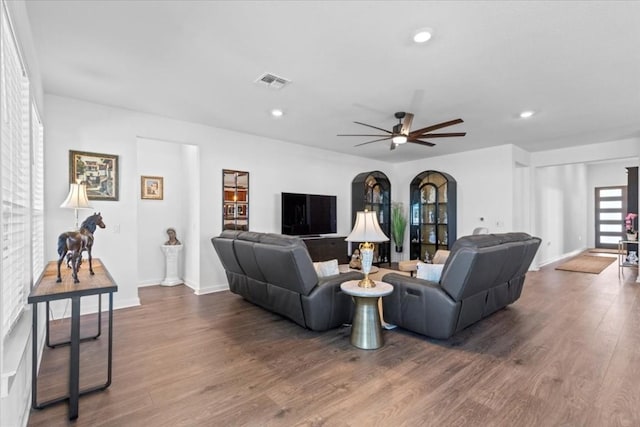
{"x": 430, "y": 272}
{"x": 327, "y": 268}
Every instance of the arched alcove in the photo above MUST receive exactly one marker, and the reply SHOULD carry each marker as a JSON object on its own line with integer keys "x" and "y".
{"x": 372, "y": 191}
{"x": 432, "y": 215}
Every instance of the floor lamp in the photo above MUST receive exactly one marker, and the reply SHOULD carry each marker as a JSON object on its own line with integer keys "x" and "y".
{"x": 368, "y": 231}
{"x": 76, "y": 199}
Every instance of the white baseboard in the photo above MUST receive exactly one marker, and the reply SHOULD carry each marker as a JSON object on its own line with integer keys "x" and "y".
{"x": 208, "y": 289}
{"x": 89, "y": 305}
{"x": 562, "y": 257}
{"x": 152, "y": 282}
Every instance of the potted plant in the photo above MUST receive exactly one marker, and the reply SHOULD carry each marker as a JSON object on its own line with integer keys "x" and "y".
{"x": 398, "y": 224}
{"x": 632, "y": 233}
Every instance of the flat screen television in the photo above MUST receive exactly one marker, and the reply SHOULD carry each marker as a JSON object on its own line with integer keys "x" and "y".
{"x": 308, "y": 214}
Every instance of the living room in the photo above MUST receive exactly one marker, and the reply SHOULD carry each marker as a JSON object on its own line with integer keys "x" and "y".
{"x": 547, "y": 192}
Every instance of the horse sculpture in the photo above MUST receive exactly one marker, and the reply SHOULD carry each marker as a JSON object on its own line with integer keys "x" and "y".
{"x": 72, "y": 243}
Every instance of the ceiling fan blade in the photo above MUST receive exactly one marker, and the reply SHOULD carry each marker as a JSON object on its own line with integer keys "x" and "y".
{"x": 440, "y": 135}
{"x": 369, "y": 142}
{"x": 374, "y": 127}
{"x": 406, "y": 124}
{"x": 417, "y": 141}
{"x": 417, "y": 133}
{"x": 393, "y": 146}
{"x": 353, "y": 134}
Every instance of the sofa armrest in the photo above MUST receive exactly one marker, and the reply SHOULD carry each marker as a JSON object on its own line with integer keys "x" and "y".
{"x": 421, "y": 306}
{"x": 338, "y": 279}
{"x": 327, "y": 306}
{"x": 413, "y": 285}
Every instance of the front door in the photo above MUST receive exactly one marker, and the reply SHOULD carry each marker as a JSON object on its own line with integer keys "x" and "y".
{"x": 611, "y": 206}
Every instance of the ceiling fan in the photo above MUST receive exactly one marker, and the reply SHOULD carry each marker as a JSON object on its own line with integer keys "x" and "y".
{"x": 401, "y": 132}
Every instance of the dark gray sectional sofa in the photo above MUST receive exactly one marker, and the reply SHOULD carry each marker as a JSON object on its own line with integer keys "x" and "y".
{"x": 483, "y": 274}
{"x": 276, "y": 272}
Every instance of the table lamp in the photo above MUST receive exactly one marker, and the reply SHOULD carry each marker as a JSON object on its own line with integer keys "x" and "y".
{"x": 368, "y": 231}
{"x": 76, "y": 199}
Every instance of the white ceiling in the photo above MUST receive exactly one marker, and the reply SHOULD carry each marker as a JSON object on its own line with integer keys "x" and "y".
{"x": 577, "y": 63}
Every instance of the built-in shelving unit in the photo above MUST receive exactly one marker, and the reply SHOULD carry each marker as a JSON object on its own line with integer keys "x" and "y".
{"x": 372, "y": 191}
{"x": 432, "y": 213}
{"x": 235, "y": 200}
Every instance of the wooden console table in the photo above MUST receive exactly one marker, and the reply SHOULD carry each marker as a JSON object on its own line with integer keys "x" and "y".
{"x": 47, "y": 290}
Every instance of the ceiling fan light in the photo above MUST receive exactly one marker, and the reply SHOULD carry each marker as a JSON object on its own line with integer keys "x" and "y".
{"x": 399, "y": 139}
{"x": 422, "y": 35}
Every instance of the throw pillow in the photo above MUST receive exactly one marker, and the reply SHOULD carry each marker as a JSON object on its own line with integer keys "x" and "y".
{"x": 440, "y": 256}
{"x": 431, "y": 272}
{"x": 327, "y": 268}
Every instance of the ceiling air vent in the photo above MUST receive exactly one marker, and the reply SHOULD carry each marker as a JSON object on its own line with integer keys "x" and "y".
{"x": 273, "y": 81}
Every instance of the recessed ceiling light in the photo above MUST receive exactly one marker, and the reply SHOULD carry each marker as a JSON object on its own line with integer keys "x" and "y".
{"x": 277, "y": 112}
{"x": 422, "y": 35}
{"x": 526, "y": 114}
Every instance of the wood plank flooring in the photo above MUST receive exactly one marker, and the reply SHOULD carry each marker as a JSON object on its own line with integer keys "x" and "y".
{"x": 567, "y": 353}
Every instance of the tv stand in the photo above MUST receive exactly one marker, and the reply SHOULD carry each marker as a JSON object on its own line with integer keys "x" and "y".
{"x": 326, "y": 248}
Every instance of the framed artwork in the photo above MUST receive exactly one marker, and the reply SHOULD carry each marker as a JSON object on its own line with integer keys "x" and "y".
{"x": 99, "y": 172}
{"x": 152, "y": 187}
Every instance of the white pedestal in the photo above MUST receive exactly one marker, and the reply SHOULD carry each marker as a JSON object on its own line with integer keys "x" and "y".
{"x": 171, "y": 255}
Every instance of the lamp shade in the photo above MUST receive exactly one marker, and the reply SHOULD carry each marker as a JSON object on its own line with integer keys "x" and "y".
{"x": 366, "y": 229}
{"x": 77, "y": 197}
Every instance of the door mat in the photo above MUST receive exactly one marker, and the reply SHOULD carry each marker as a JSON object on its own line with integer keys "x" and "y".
{"x": 586, "y": 264}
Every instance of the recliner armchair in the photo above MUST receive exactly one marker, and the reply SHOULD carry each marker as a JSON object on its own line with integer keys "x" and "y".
{"x": 482, "y": 274}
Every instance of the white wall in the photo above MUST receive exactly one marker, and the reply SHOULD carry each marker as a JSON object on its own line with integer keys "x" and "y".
{"x": 561, "y": 223}
{"x": 273, "y": 166}
{"x": 562, "y": 192}
{"x": 159, "y": 158}
{"x": 484, "y": 186}
{"x": 191, "y": 211}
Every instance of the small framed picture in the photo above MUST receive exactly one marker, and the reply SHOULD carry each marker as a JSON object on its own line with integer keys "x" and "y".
{"x": 99, "y": 172}
{"x": 152, "y": 187}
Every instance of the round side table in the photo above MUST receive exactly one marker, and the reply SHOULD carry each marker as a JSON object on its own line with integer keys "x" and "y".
{"x": 366, "y": 332}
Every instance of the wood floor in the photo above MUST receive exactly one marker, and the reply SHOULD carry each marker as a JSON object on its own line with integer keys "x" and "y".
{"x": 567, "y": 353}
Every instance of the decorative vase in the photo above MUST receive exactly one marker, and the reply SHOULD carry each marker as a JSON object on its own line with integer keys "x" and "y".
{"x": 632, "y": 236}
{"x": 398, "y": 248}
{"x": 632, "y": 257}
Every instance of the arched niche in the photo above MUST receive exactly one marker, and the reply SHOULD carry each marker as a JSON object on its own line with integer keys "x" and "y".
{"x": 432, "y": 215}
{"x": 372, "y": 191}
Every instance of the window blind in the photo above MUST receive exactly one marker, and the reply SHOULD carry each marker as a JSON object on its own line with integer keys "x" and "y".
{"x": 14, "y": 178}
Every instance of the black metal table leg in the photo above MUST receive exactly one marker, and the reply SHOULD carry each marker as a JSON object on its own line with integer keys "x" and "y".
{"x": 63, "y": 343}
{"x": 74, "y": 363}
{"x": 34, "y": 357}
